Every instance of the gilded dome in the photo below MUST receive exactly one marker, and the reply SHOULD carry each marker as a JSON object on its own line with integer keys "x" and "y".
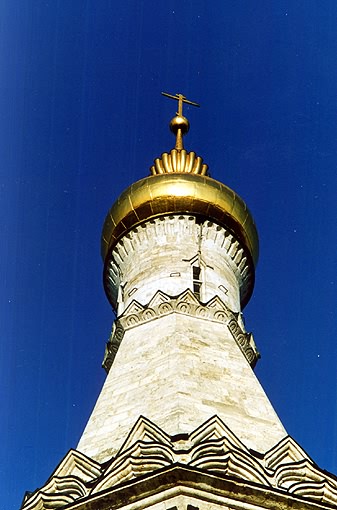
{"x": 180, "y": 184}
{"x": 180, "y": 193}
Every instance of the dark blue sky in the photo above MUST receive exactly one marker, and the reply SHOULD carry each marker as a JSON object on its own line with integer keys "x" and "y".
{"x": 81, "y": 117}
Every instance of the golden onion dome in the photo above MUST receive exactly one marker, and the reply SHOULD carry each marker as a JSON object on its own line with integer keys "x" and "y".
{"x": 180, "y": 184}
{"x": 180, "y": 193}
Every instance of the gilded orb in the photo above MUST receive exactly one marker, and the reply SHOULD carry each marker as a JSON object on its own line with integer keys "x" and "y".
{"x": 179, "y": 122}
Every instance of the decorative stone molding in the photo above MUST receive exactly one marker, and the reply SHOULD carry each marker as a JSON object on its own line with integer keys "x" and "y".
{"x": 186, "y": 303}
{"x": 69, "y": 482}
{"x": 245, "y": 342}
{"x": 112, "y": 345}
{"x": 212, "y": 448}
{"x": 201, "y": 233}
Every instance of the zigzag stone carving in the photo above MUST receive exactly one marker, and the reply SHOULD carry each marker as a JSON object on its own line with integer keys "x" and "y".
{"x": 186, "y": 303}
{"x": 138, "y": 253}
{"x": 211, "y": 448}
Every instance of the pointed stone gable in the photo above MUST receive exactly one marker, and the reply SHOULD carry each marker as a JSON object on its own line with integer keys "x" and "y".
{"x": 211, "y": 448}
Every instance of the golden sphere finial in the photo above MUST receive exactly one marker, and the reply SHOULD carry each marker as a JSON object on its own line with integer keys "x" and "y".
{"x": 179, "y": 125}
{"x": 179, "y": 122}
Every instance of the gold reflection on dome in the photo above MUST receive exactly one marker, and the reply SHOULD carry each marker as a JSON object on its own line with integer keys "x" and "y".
{"x": 179, "y": 193}
{"x": 180, "y": 184}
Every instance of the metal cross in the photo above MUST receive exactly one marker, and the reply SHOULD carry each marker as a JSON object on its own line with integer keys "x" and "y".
{"x": 181, "y": 99}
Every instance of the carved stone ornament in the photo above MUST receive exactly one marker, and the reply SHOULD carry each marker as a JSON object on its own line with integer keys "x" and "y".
{"x": 185, "y": 303}
{"x": 211, "y": 449}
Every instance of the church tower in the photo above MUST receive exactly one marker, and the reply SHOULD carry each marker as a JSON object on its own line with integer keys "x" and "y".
{"x": 182, "y": 421}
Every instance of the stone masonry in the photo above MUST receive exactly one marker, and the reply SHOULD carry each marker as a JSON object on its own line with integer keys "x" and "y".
{"x": 177, "y": 369}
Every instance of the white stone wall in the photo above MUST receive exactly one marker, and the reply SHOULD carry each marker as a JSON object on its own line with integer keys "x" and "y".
{"x": 178, "y": 371}
{"x": 159, "y": 255}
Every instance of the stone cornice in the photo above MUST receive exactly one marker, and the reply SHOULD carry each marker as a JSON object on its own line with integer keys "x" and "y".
{"x": 284, "y": 477}
{"x": 223, "y": 238}
{"x": 194, "y": 484}
{"x": 186, "y": 303}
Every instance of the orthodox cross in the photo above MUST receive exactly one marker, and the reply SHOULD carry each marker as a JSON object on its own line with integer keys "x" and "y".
{"x": 179, "y": 125}
{"x": 181, "y": 99}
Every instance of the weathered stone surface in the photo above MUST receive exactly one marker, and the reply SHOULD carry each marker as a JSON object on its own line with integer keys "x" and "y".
{"x": 186, "y": 303}
{"x": 179, "y": 370}
{"x": 160, "y": 255}
{"x": 179, "y": 363}
{"x": 209, "y": 468}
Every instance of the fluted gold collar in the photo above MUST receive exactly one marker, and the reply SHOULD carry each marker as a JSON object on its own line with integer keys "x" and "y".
{"x": 179, "y": 161}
